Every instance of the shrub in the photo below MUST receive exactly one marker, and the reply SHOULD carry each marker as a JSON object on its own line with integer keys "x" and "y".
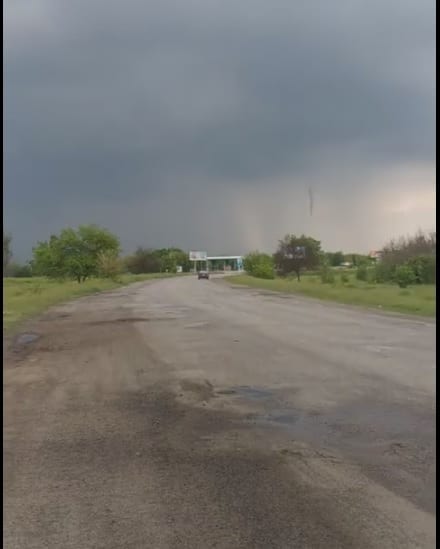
{"x": 399, "y": 252}
{"x": 384, "y": 272}
{"x": 424, "y": 268}
{"x": 18, "y": 271}
{"x": 109, "y": 265}
{"x": 362, "y": 273}
{"x": 345, "y": 278}
{"x": 264, "y": 271}
{"x": 405, "y": 276}
{"x": 259, "y": 265}
{"x": 327, "y": 275}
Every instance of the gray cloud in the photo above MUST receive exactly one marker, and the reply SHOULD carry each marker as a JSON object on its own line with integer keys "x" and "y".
{"x": 149, "y": 116}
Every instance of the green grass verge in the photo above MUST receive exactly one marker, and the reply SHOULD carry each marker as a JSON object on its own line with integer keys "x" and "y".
{"x": 417, "y": 300}
{"x": 26, "y": 297}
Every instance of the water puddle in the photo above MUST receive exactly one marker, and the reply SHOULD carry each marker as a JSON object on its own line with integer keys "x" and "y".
{"x": 26, "y": 338}
{"x": 254, "y": 393}
{"x": 308, "y": 427}
{"x": 130, "y": 320}
{"x": 196, "y": 325}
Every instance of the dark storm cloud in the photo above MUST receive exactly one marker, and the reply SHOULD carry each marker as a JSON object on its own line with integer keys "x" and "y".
{"x": 113, "y": 104}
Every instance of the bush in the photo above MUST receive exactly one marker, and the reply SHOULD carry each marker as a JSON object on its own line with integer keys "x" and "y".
{"x": 362, "y": 273}
{"x": 259, "y": 265}
{"x": 417, "y": 253}
{"x": 384, "y": 272}
{"x": 109, "y": 265}
{"x": 264, "y": 271}
{"x": 345, "y": 278}
{"x": 399, "y": 252}
{"x": 16, "y": 270}
{"x": 424, "y": 269}
{"x": 143, "y": 261}
{"x": 405, "y": 276}
{"x": 327, "y": 275}
{"x": 157, "y": 261}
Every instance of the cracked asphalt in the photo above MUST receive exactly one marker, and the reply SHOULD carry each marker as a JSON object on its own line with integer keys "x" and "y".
{"x": 191, "y": 414}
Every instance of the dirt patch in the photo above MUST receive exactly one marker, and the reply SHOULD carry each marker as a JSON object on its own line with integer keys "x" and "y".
{"x": 226, "y": 392}
{"x": 201, "y": 390}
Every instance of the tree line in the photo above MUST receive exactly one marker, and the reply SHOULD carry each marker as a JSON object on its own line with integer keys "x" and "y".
{"x": 405, "y": 261}
{"x": 90, "y": 251}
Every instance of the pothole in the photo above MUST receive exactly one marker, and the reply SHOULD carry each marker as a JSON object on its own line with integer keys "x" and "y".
{"x": 26, "y": 338}
{"x": 246, "y": 391}
{"x": 131, "y": 320}
{"x": 196, "y": 325}
{"x": 255, "y": 393}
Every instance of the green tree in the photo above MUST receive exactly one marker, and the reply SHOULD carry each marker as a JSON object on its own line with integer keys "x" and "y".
{"x": 259, "y": 265}
{"x": 47, "y": 259}
{"x": 109, "y": 265}
{"x": 424, "y": 268}
{"x": 357, "y": 259}
{"x": 17, "y": 270}
{"x": 398, "y": 252}
{"x": 170, "y": 258}
{"x": 143, "y": 261}
{"x": 74, "y": 253}
{"x": 335, "y": 259}
{"x": 362, "y": 272}
{"x": 157, "y": 261}
{"x": 404, "y": 276}
{"x": 289, "y": 259}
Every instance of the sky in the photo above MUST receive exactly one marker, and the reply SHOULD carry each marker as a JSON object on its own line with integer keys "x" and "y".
{"x": 204, "y": 124}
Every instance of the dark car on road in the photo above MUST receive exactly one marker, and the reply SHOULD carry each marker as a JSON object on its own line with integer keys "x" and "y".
{"x": 203, "y": 274}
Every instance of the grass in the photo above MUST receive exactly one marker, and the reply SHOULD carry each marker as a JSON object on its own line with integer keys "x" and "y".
{"x": 27, "y": 297}
{"x": 416, "y": 300}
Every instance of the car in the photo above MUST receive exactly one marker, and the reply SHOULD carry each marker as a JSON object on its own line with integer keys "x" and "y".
{"x": 203, "y": 274}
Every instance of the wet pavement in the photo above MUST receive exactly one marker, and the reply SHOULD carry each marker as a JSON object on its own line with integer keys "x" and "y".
{"x": 242, "y": 421}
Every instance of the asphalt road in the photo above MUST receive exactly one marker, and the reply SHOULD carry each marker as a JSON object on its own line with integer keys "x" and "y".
{"x": 190, "y": 414}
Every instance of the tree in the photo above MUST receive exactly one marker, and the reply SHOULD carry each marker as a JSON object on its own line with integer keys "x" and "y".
{"x": 397, "y": 252}
{"x": 143, "y": 261}
{"x": 74, "y": 253}
{"x": 47, "y": 259}
{"x": 7, "y": 251}
{"x": 170, "y": 258}
{"x": 157, "y": 261}
{"x": 109, "y": 265}
{"x": 259, "y": 265}
{"x": 296, "y": 254}
{"x": 18, "y": 270}
{"x": 417, "y": 252}
{"x": 357, "y": 259}
{"x": 424, "y": 268}
{"x": 404, "y": 276}
{"x": 335, "y": 258}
